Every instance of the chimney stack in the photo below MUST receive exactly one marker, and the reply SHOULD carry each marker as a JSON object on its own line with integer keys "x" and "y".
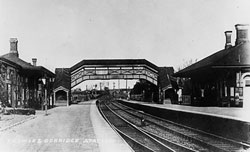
{"x": 34, "y": 60}
{"x": 13, "y": 46}
{"x": 241, "y": 33}
{"x": 228, "y": 35}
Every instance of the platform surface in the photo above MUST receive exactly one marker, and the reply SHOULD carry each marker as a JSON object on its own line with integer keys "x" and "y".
{"x": 73, "y": 128}
{"x": 108, "y": 139}
{"x": 224, "y": 112}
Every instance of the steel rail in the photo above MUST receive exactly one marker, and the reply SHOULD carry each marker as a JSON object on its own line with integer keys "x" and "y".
{"x": 214, "y": 146}
{"x": 135, "y": 137}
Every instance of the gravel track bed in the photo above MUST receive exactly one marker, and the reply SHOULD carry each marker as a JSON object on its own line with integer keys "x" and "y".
{"x": 139, "y": 137}
{"x": 228, "y": 146}
{"x": 161, "y": 132}
{"x": 128, "y": 130}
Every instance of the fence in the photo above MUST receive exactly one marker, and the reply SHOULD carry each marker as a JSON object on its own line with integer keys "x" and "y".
{"x": 138, "y": 97}
{"x": 186, "y": 99}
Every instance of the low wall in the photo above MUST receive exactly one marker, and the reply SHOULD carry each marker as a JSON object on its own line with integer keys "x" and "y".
{"x": 229, "y": 128}
{"x": 60, "y": 103}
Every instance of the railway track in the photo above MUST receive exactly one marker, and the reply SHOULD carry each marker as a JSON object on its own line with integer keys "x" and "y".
{"x": 140, "y": 141}
{"x": 188, "y": 137}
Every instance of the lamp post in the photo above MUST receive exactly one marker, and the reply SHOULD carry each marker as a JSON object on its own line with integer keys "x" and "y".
{"x": 52, "y": 83}
{"x": 45, "y": 95}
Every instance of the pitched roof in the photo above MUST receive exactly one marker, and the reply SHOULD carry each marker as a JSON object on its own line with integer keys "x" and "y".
{"x": 235, "y": 57}
{"x": 238, "y": 56}
{"x": 28, "y": 68}
{"x": 11, "y": 57}
{"x": 6, "y": 61}
{"x": 165, "y": 78}
{"x": 62, "y": 78}
{"x": 113, "y": 62}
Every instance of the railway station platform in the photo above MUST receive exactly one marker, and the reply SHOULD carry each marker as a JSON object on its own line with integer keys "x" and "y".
{"x": 78, "y": 127}
{"x": 223, "y": 112}
{"x": 233, "y": 123}
{"x": 108, "y": 140}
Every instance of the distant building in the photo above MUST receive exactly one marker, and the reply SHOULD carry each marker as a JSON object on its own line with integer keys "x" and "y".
{"x": 168, "y": 85}
{"x": 223, "y": 78}
{"x": 22, "y": 83}
{"x": 165, "y": 92}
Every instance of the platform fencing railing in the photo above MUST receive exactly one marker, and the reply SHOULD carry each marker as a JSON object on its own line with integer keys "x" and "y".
{"x": 186, "y": 99}
{"x": 137, "y": 97}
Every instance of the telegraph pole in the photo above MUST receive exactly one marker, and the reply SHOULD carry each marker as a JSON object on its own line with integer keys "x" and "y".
{"x": 119, "y": 84}
{"x": 126, "y": 85}
{"x": 45, "y": 103}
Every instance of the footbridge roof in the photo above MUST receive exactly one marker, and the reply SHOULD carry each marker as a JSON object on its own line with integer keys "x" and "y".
{"x": 113, "y": 62}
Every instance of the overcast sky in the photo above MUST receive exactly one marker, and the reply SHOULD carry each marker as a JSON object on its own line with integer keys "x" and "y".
{"x": 60, "y": 33}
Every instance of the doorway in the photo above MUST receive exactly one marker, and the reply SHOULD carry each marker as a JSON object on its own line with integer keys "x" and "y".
{"x": 246, "y": 92}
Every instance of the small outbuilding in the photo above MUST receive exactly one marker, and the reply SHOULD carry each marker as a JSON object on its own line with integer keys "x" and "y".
{"x": 62, "y": 87}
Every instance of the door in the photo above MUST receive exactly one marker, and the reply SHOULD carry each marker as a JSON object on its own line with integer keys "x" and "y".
{"x": 246, "y": 92}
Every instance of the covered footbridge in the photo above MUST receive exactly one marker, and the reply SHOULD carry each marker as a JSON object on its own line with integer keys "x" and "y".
{"x": 109, "y": 69}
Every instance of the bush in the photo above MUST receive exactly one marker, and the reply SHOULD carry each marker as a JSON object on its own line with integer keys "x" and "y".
{"x": 20, "y": 111}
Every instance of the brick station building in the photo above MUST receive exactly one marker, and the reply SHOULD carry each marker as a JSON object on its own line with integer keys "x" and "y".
{"x": 23, "y": 84}
{"x": 223, "y": 78}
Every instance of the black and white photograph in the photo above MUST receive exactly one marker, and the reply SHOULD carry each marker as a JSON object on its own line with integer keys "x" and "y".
{"x": 124, "y": 76}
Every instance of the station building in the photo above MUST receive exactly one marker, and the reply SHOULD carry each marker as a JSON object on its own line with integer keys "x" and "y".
{"x": 223, "y": 78}
{"x": 23, "y": 84}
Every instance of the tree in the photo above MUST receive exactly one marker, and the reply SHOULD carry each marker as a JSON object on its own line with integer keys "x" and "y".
{"x": 149, "y": 90}
{"x": 3, "y": 88}
{"x": 186, "y": 63}
{"x": 137, "y": 89}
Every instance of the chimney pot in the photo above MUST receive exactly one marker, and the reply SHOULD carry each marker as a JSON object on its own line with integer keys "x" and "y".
{"x": 13, "y": 46}
{"x": 34, "y": 60}
{"x": 228, "y": 35}
{"x": 241, "y": 33}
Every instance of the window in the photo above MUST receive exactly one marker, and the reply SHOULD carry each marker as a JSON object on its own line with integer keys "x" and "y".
{"x": 225, "y": 91}
{"x": 247, "y": 84}
{"x": 8, "y": 74}
{"x": 232, "y": 91}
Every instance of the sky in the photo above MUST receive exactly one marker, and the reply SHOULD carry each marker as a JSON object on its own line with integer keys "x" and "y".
{"x": 61, "y": 33}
